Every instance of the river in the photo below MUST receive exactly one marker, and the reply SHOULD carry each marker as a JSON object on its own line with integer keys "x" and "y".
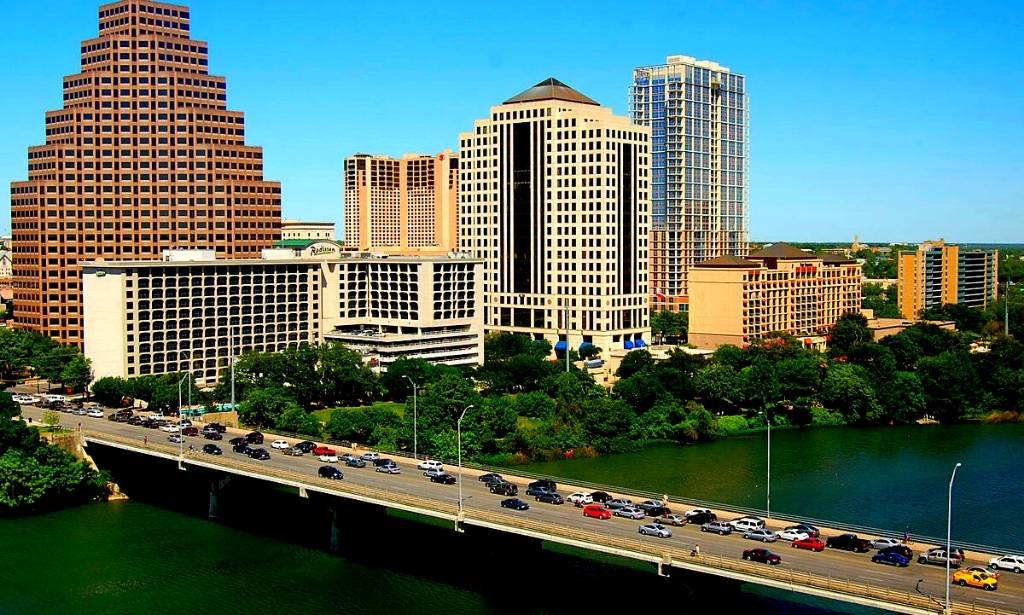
{"x": 158, "y": 553}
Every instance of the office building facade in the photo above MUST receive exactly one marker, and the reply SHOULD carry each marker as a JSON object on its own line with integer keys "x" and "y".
{"x": 405, "y": 206}
{"x": 554, "y": 199}
{"x": 297, "y": 229}
{"x": 697, "y": 111}
{"x": 143, "y": 156}
{"x": 938, "y": 273}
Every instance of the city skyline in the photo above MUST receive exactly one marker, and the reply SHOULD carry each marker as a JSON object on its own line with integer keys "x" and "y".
{"x": 842, "y": 152}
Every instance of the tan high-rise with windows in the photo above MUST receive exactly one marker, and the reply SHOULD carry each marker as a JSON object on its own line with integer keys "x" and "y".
{"x": 938, "y": 273}
{"x": 402, "y": 206}
{"x": 144, "y": 156}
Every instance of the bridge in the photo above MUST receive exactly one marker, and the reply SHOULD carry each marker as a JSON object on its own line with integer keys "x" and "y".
{"x": 843, "y": 576}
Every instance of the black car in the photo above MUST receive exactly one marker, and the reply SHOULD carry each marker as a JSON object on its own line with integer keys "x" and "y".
{"x": 536, "y": 490}
{"x": 600, "y": 497}
{"x": 152, "y": 423}
{"x": 217, "y": 427}
{"x": 254, "y": 437}
{"x": 550, "y": 497}
{"x": 700, "y": 518}
{"x": 848, "y": 542}
{"x": 491, "y": 477}
{"x": 515, "y": 504}
{"x": 306, "y": 446}
{"x": 241, "y": 448}
{"x": 259, "y": 453}
{"x": 237, "y": 441}
{"x": 213, "y": 435}
{"x": 806, "y": 528}
{"x": 903, "y": 550}
{"x": 354, "y": 462}
{"x": 330, "y": 472}
{"x": 654, "y": 509}
{"x": 444, "y": 479}
{"x": 212, "y": 449}
{"x": 383, "y": 461}
{"x": 549, "y": 485}
{"x": 762, "y": 555}
{"x": 135, "y": 420}
{"x": 504, "y": 488}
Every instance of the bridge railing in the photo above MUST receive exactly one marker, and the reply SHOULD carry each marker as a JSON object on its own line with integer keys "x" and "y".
{"x": 668, "y": 553}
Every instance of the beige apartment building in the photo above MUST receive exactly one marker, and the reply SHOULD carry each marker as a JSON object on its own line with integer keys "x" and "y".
{"x": 154, "y": 317}
{"x": 143, "y": 156}
{"x": 6, "y": 262}
{"x": 407, "y": 206}
{"x": 938, "y": 273}
{"x": 297, "y": 229}
{"x": 554, "y": 193}
{"x": 735, "y": 300}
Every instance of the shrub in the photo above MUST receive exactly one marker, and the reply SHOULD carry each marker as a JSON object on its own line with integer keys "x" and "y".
{"x": 823, "y": 416}
{"x": 732, "y": 424}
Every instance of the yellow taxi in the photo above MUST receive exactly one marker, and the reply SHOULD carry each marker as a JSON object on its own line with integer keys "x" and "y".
{"x": 975, "y": 578}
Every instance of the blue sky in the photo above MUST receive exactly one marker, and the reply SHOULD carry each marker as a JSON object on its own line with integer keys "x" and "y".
{"x": 892, "y": 120}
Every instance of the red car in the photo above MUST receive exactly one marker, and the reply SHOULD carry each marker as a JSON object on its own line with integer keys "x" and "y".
{"x": 763, "y": 556}
{"x": 596, "y": 511}
{"x": 190, "y": 431}
{"x": 811, "y": 543}
{"x": 324, "y": 450}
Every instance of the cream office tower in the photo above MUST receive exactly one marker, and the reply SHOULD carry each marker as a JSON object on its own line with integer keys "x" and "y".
{"x": 553, "y": 197}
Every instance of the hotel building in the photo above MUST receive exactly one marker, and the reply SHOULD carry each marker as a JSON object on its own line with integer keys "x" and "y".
{"x": 736, "y": 300}
{"x": 406, "y": 206}
{"x": 697, "y": 111}
{"x": 939, "y": 273}
{"x": 554, "y": 199}
{"x": 296, "y": 229}
{"x": 143, "y": 156}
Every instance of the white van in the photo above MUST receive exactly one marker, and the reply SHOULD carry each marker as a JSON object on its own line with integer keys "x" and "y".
{"x": 56, "y": 399}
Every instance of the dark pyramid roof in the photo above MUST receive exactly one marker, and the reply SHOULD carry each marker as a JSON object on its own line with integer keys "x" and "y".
{"x": 728, "y": 261}
{"x": 837, "y": 259}
{"x": 781, "y": 250}
{"x": 550, "y": 89}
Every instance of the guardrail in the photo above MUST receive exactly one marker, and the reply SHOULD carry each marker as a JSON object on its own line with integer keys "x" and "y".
{"x": 677, "y": 554}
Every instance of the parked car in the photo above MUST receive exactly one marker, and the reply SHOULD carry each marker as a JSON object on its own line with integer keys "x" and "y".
{"x": 763, "y": 556}
{"x": 25, "y": 399}
{"x": 672, "y": 520}
{"x": 883, "y": 542}
{"x": 596, "y": 511}
{"x": 545, "y": 483}
{"x": 629, "y": 512}
{"x": 600, "y": 496}
{"x": 762, "y": 534}
{"x": 744, "y": 524}
{"x": 534, "y": 490}
{"x": 938, "y": 556}
{"x": 391, "y": 468}
{"x": 175, "y": 438}
{"x": 504, "y": 489}
{"x": 444, "y": 478}
{"x": 135, "y": 420}
{"x": 967, "y": 578}
{"x": 293, "y": 452}
{"x": 812, "y": 531}
{"x": 550, "y": 497}
{"x": 306, "y": 446}
{"x": 890, "y": 557}
{"x": 213, "y": 435}
{"x": 490, "y": 477}
{"x": 580, "y": 498}
{"x": 616, "y": 503}
{"x": 328, "y": 458}
{"x": 55, "y": 399}
{"x": 515, "y": 504}
{"x": 280, "y": 444}
{"x": 1007, "y": 562}
{"x": 241, "y": 448}
{"x": 94, "y": 413}
{"x": 903, "y": 550}
{"x": 848, "y": 542}
{"x": 260, "y": 454}
{"x": 717, "y": 527}
{"x": 212, "y": 449}
{"x": 324, "y": 450}
{"x": 791, "y": 534}
{"x": 190, "y": 431}
{"x": 655, "y": 529}
{"x": 810, "y": 543}
{"x": 254, "y": 437}
{"x": 330, "y": 472}
{"x": 370, "y": 456}
{"x": 354, "y": 462}
{"x": 430, "y": 464}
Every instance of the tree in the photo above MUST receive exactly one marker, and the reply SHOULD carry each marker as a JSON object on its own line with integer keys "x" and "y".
{"x": 640, "y": 391}
{"x": 800, "y": 377}
{"x": 395, "y": 381}
{"x": 967, "y": 318}
{"x": 720, "y": 386}
{"x": 535, "y": 405}
{"x": 850, "y": 331}
{"x": 344, "y": 379}
{"x": 77, "y": 374}
{"x": 950, "y": 384}
{"x": 265, "y": 406}
{"x": 589, "y": 351}
{"x": 607, "y": 423}
{"x": 110, "y": 391}
{"x": 902, "y": 398}
{"x": 441, "y": 403}
{"x": 846, "y": 389}
{"x": 14, "y": 434}
{"x": 760, "y": 383}
{"x": 666, "y": 323}
{"x": 51, "y": 419}
{"x": 295, "y": 419}
{"x": 634, "y": 362}
{"x": 51, "y": 364}
{"x": 733, "y": 356}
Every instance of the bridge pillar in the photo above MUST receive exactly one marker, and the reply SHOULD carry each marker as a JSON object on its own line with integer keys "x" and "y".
{"x": 216, "y": 485}
{"x": 516, "y": 550}
{"x": 354, "y": 514}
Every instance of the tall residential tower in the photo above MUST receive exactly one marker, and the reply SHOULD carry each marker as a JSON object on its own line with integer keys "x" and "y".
{"x": 554, "y": 198}
{"x": 697, "y": 113}
{"x": 939, "y": 273}
{"x": 144, "y": 156}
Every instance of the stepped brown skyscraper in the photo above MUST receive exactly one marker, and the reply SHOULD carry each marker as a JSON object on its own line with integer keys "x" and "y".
{"x": 143, "y": 157}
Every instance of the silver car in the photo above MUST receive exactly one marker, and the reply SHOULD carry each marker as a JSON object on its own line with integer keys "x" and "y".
{"x": 655, "y": 529}
{"x": 630, "y": 512}
{"x": 883, "y": 542}
{"x": 391, "y": 468}
{"x": 764, "y": 535}
{"x": 672, "y": 520}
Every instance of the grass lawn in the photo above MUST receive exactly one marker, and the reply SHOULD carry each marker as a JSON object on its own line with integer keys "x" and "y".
{"x": 394, "y": 406}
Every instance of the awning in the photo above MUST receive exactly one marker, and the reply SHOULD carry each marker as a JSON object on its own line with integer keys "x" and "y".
{"x": 560, "y": 345}
{"x": 585, "y": 345}
{"x": 628, "y": 344}
{"x": 639, "y": 343}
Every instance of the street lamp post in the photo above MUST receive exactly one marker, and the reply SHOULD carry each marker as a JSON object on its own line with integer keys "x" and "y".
{"x": 768, "y": 495}
{"x": 181, "y": 440}
{"x": 415, "y": 450}
{"x": 949, "y": 525}
{"x": 459, "y": 428}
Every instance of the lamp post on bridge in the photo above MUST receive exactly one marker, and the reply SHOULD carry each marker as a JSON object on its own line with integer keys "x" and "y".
{"x": 458, "y": 425}
{"x": 768, "y": 495}
{"x": 415, "y": 450}
{"x": 949, "y": 526}
{"x": 181, "y": 438}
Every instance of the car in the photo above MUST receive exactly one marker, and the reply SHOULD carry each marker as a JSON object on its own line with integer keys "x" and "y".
{"x": 117, "y": 418}
{"x": 354, "y": 462}
{"x": 324, "y": 450}
{"x": 672, "y": 520}
{"x": 429, "y": 473}
{"x": 600, "y": 496}
{"x": 212, "y": 449}
{"x": 254, "y": 437}
{"x": 903, "y": 550}
{"x": 884, "y": 542}
{"x": 811, "y": 531}
{"x": 504, "y": 488}
{"x": 811, "y": 543}
{"x": 135, "y": 420}
{"x": 580, "y": 498}
{"x": 382, "y": 461}
{"x": 762, "y": 534}
{"x": 184, "y": 423}
{"x": 55, "y": 399}
{"x": 190, "y": 431}
{"x": 615, "y": 503}
{"x": 237, "y": 441}
{"x": 176, "y": 438}
{"x": 292, "y": 451}
{"x": 241, "y": 448}
{"x": 218, "y": 427}
{"x": 170, "y": 428}
{"x": 965, "y": 578}
{"x": 744, "y": 524}
{"x": 1007, "y": 562}
{"x": 370, "y": 456}
{"x": 545, "y": 484}
{"x": 980, "y": 569}
{"x": 550, "y": 497}
{"x": 430, "y": 464}
{"x": 330, "y": 472}
{"x": 848, "y": 542}
{"x": 280, "y": 444}
{"x": 716, "y": 527}
{"x": 700, "y": 516}
{"x": 891, "y": 557}
{"x": 213, "y": 435}
{"x": 306, "y": 446}
{"x": 763, "y": 556}
{"x": 791, "y": 534}
{"x": 938, "y": 556}
{"x": 515, "y": 504}
{"x": 444, "y": 478}
{"x": 391, "y": 468}
{"x": 328, "y": 458}
{"x": 490, "y": 477}
{"x": 96, "y": 414}
{"x": 596, "y": 511}
{"x": 25, "y": 399}
{"x": 629, "y": 512}
{"x": 536, "y": 490}
{"x": 261, "y": 454}
{"x": 80, "y": 412}
{"x": 655, "y": 529}
{"x": 653, "y": 508}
